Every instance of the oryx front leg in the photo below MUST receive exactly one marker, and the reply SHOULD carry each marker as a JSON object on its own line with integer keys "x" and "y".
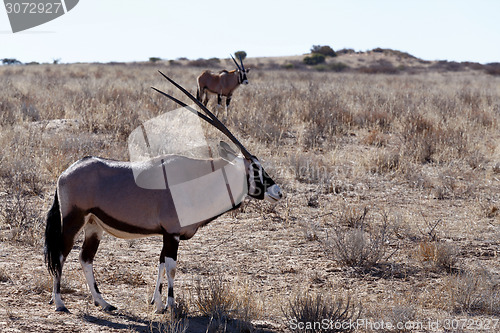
{"x": 93, "y": 236}
{"x": 228, "y": 100}
{"x": 168, "y": 263}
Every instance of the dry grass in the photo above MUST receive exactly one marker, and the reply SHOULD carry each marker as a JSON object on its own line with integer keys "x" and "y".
{"x": 421, "y": 148}
{"x": 474, "y": 292}
{"x": 316, "y": 313}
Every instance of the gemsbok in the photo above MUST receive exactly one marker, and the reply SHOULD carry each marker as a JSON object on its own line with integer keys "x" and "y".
{"x": 222, "y": 84}
{"x": 97, "y": 195}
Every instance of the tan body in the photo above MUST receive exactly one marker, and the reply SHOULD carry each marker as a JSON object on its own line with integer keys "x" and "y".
{"x": 223, "y": 83}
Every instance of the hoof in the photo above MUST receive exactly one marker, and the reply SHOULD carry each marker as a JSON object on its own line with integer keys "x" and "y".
{"x": 109, "y": 308}
{"x": 62, "y": 309}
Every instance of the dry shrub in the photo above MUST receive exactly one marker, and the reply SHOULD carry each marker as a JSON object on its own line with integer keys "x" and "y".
{"x": 384, "y": 162}
{"x": 426, "y": 140}
{"x": 474, "y": 292}
{"x": 420, "y": 138}
{"x": 437, "y": 255}
{"x": 23, "y": 221}
{"x": 353, "y": 217}
{"x": 357, "y": 248}
{"x": 4, "y": 276}
{"x": 325, "y": 116}
{"x": 214, "y": 299}
{"x": 376, "y": 138}
{"x": 375, "y": 117}
{"x": 225, "y": 306}
{"x": 380, "y": 67}
{"x": 402, "y": 313}
{"x": 171, "y": 325}
{"x": 362, "y": 247}
{"x": 316, "y": 313}
{"x": 310, "y": 168}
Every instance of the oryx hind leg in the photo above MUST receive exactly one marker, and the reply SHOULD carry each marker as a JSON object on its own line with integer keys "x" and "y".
{"x": 93, "y": 236}
{"x": 204, "y": 93}
{"x": 168, "y": 263}
{"x": 72, "y": 223}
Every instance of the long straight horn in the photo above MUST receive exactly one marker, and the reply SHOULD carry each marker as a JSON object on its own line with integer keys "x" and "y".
{"x": 184, "y": 105}
{"x": 236, "y": 62}
{"x": 214, "y": 121}
{"x": 241, "y": 62}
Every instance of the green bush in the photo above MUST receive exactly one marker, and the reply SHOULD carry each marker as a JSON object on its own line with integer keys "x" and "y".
{"x": 314, "y": 59}
{"x": 10, "y": 61}
{"x": 325, "y": 50}
{"x": 240, "y": 54}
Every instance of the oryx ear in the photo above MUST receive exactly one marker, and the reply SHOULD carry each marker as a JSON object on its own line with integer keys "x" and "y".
{"x": 226, "y": 152}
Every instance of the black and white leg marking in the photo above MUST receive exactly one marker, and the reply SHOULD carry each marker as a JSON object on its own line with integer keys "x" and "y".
{"x": 168, "y": 263}
{"x": 56, "y": 291}
{"x": 71, "y": 226}
{"x": 93, "y": 236}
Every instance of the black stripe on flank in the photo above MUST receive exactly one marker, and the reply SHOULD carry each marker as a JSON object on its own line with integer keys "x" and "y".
{"x": 121, "y": 225}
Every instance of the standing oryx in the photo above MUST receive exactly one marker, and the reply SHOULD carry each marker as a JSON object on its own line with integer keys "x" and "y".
{"x": 96, "y": 195}
{"x": 223, "y": 84}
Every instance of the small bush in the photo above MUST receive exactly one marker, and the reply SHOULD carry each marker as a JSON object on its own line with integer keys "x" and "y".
{"x": 10, "y": 61}
{"x": 154, "y": 59}
{"x": 314, "y": 59}
{"x": 361, "y": 248}
{"x": 346, "y": 51}
{"x": 215, "y": 300}
{"x": 174, "y": 325}
{"x": 325, "y": 50}
{"x": 437, "y": 255}
{"x": 224, "y": 306}
{"x": 240, "y": 54}
{"x": 353, "y": 217}
{"x": 493, "y": 68}
{"x": 338, "y": 67}
{"x": 306, "y": 313}
{"x": 474, "y": 292}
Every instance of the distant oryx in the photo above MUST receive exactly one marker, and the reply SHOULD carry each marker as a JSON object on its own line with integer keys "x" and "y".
{"x": 97, "y": 194}
{"x": 223, "y": 84}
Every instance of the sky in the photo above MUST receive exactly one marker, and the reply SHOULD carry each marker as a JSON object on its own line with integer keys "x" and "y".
{"x": 126, "y": 30}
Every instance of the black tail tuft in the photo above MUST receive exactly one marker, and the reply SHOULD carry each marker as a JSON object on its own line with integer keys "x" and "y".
{"x": 198, "y": 94}
{"x": 53, "y": 238}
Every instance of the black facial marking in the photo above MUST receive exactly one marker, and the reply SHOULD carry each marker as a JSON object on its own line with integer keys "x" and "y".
{"x": 261, "y": 184}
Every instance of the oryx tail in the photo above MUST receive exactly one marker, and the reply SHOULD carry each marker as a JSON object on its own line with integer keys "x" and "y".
{"x": 53, "y": 233}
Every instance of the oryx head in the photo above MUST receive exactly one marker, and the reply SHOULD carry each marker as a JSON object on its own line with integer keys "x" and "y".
{"x": 242, "y": 72}
{"x": 260, "y": 185}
